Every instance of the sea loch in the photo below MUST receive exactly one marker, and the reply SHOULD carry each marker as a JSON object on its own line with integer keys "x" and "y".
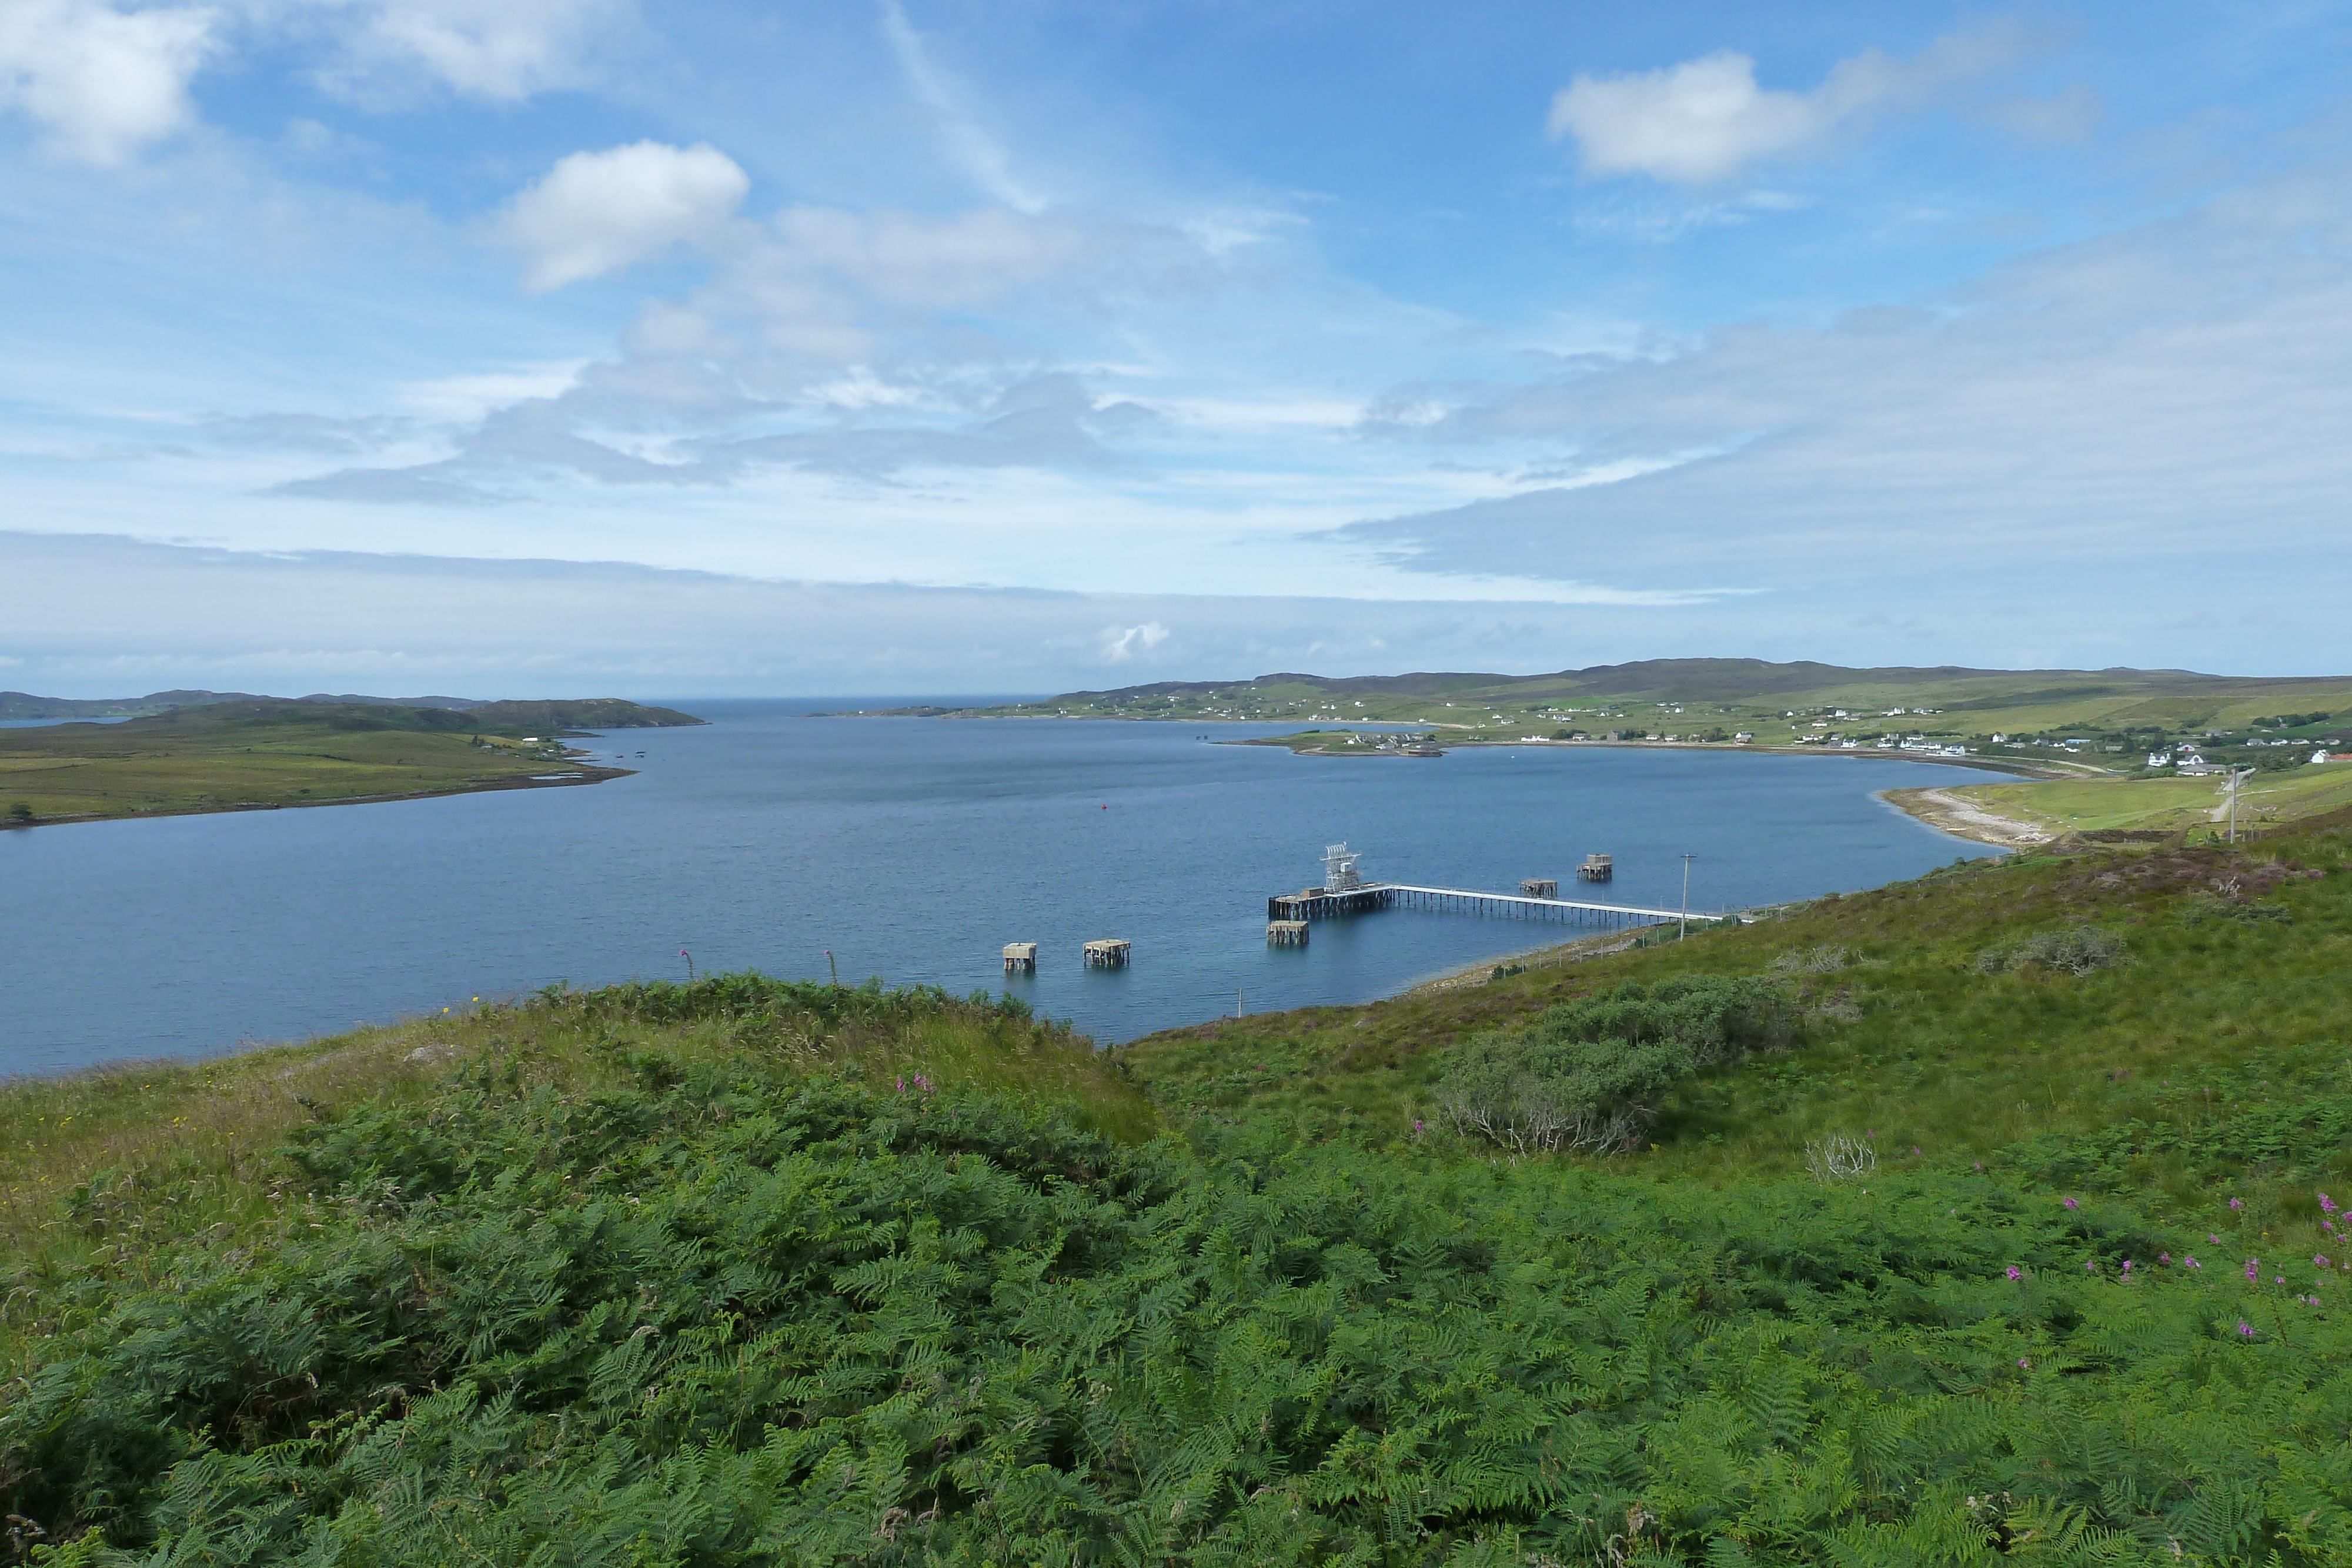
{"x": 913, "y": 848}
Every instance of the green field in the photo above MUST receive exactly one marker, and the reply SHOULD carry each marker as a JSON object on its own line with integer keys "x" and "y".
{"x": 2172, "y": 805}
{"x": 1980, "y": 1218}
{"x": 230, "y": 756}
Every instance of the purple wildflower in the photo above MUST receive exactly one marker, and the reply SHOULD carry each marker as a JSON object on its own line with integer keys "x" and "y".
{"x": 2126, "y": 1265}
{"x": 2072, "y": 1204}
{"x": 2090, "y": 1267}
{"x": 2025, "y": 1362}
{"x": 2192, "y": 1263}
{"x": 2164, "y": 1256}
{"x": 2319, "y": 1260}
{"x": 2254, "y": 1269}
{"x": 2237, "y": 1203}
{"x": 2214, "y": 1239}
{"x": 2245, "y": 1328}
{"x": 2015, "y": 1272}
{"x": 2327, "y": 1203}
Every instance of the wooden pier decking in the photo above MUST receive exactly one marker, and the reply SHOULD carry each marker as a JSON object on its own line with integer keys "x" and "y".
{"x": 1316, "y": 904}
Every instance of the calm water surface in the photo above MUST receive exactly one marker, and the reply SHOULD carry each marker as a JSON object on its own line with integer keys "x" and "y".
{"x": 913, "y": 848}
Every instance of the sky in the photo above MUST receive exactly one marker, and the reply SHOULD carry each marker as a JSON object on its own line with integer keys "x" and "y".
{"x": 552, "y": 346}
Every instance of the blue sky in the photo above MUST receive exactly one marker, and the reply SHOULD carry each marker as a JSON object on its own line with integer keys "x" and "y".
{"x": 868, "y": 347}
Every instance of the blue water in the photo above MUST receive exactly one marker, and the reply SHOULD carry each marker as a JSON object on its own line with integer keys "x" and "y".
{"x": 914, "y": 849}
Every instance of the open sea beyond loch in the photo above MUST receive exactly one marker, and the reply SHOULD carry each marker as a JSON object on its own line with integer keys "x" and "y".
{"x": 914, "y": 849}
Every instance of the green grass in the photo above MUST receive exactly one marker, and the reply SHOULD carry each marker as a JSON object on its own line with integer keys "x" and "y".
{"x": 1909, "y": 1041}
{"x": 2171, "y": 804}
{"x": 226, "y": 756}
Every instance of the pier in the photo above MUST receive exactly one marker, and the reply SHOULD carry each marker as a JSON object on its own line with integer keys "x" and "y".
{"x": 1021, "y": 957}
{"x": 1318, "y": 904}
{"x": 1344, "y": 892}
{"x": 1107, "y": 955}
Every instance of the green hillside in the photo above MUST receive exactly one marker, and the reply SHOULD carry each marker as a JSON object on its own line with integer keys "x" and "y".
{"x": 1696, "y": 700}
{"x": 1977, "y": 1218}
{"x": 252, "y": 752}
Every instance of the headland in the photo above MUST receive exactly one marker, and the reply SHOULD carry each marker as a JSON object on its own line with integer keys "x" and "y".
{"x": 247, "y": 754}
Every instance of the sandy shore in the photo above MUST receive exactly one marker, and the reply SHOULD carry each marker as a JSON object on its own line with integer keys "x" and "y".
{"x": 1943, "y": 810}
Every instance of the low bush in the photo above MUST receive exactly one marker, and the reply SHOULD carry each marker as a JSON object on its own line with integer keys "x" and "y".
{"x": 2081, "y": 950}
{"x": 1587, "y": 1074}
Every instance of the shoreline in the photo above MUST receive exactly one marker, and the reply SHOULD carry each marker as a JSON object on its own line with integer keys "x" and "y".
{"x": 1965, "y": 819}
{"x": 2021, "y": 768}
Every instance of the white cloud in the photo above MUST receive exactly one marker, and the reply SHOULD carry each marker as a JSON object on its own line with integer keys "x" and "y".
{"x": 1706, "y": 119}
{"x": 599, "y": 211}
{"x": 503, "y": 50}
{"x": 1121, "y": 643}
{"x": 103, "y": 83}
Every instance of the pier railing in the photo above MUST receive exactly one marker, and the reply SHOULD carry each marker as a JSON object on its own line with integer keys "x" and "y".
{"x": 1318, "y": 905}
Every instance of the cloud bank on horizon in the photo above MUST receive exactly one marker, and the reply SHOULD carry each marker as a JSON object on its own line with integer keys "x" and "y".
{"x": 894, "y": 344}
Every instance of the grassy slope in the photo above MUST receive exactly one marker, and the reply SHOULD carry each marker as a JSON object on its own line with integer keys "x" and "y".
{"x": 190, "y": 1146}
{"x": 1376, "y": 1348}
{"x": 226, "y": 755}
{"x": 1912, "y": 1044}
{"x": 2171, "y": 804}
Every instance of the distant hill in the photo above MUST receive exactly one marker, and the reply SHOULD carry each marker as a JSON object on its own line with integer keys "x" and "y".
{"x": 1726, "y": 680}
{"x": 593, "y": 713}
{"x": 1775, "y": 702}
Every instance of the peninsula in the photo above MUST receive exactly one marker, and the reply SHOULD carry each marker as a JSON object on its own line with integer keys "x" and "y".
{"x": 242, "y": 753}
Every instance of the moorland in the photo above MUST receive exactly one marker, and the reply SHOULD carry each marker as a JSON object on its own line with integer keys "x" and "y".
{"x": 260, "y": 753}
{"x": 1977, "y": 1218}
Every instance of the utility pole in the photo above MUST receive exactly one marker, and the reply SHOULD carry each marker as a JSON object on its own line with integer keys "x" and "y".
{"x": 1686, "y": 930}
{"x": 833, "y": 967}
{"x": 1240, "y": 995}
